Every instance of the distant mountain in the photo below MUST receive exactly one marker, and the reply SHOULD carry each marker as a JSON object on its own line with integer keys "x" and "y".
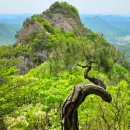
{"x": 7, "y": 33}
{"x": 9, "y": 25}
{"x": 113, "y": 27}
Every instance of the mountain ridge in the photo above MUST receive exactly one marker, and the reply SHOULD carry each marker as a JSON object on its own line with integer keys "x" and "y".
{"x": 114, "y": 21}
{"x": 39, "y": 71}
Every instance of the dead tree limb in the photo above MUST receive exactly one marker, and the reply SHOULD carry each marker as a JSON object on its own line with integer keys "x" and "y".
{"x": 92, "y": 79}
{"x": 69, "y": 109}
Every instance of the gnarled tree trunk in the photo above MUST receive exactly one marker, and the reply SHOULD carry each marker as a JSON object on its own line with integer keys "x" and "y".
{"x": 69, "y": 109}
{"x": 69, "y": 114}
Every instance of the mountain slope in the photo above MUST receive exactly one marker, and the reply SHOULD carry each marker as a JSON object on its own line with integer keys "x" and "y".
{"x": 61, "y": 22}
{"x": 50, "y": 59}
{"x": 60, "y": 15}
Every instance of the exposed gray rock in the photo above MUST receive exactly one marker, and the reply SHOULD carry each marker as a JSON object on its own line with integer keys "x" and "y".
{"x": 27, "y": 63}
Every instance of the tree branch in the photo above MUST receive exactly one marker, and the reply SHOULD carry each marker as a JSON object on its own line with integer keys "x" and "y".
{"x": 92, "y": 79}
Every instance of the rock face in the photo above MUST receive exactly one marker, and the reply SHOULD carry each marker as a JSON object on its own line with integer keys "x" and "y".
{"x": 26, "y": 31}
{"x": 26, "y": 63}
{"x": 61, "y": 22}
{"x": 65, "y": 17}
{"x": 36, "y": 32}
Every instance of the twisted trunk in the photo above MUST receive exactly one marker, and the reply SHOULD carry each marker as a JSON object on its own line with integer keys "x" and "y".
{"x": 69, "y": 114}
{"x": 69, "y": 109}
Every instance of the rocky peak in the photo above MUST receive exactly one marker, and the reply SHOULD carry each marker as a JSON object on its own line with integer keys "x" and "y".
{"x": 39, "y": 30}
{"x": 64, "y": 16}
{"x": 60, "y": 15}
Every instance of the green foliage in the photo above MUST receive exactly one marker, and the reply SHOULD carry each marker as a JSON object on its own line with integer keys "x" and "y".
{"x": 33, "y": 88}
{"x": 125, "y": 49}
{"x": 95, "y": 114}
{"x": 35, "y": 59}
{"x": 83, "y": 50}
{"x": 27, "y": 117}
{"x": 28, "y": 22}
{"x": 118, "y": 73}
{"x": 48, "y": 27}
{"x": 64, "y": 8}
{"x": 33, "y": 101}
{"x": 9, "y": 60}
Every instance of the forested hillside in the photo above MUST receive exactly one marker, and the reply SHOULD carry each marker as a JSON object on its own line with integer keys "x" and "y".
{"x": 39, "y": 71}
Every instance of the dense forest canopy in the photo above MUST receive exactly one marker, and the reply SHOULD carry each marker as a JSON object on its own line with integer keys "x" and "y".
{"x": 40, "y": 69}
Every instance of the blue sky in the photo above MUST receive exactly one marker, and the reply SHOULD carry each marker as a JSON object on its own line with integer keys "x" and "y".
{"x": 117, "y": 7}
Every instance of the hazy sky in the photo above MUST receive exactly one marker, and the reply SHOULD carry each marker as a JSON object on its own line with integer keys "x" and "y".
{"x": 120, "y": 7}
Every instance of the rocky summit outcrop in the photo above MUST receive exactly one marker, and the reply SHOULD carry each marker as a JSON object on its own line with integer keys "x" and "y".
{"x": 40, "y": 30}
{"x": 61, "y": 15}
{"x": 66, "y": 17}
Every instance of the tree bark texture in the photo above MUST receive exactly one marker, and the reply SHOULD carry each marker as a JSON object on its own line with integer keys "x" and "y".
{"x": 69, "y": 114}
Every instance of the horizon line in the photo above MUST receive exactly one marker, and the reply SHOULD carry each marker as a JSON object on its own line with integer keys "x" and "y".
{"x": 125, "y": 15}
